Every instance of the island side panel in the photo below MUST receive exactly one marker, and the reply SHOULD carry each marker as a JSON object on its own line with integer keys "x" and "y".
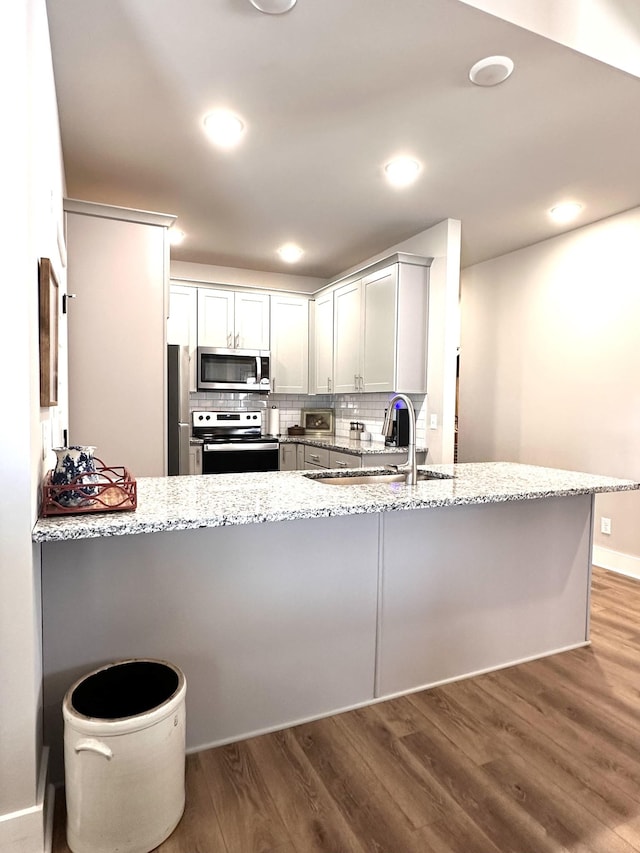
{"x": 271, "y": 623}
{"x": 470, "y": 588}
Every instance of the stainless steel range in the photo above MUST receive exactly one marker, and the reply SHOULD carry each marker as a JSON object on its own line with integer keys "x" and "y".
{"x": 234, "y": 442}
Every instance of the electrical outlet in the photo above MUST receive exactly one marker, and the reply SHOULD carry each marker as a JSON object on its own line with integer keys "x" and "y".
{"x": 605, "y": 525}
{"x": 433, "y": 422}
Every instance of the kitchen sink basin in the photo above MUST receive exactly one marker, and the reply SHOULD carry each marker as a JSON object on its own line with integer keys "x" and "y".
{"x": 374, "y": 479}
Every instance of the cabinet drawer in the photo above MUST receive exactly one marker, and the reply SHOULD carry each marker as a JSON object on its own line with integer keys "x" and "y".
{"x": 316, "y": 456}
{"x": 344, "y": 460}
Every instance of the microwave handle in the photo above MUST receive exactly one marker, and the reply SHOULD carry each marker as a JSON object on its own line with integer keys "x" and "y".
{"x": 259, "y": 369}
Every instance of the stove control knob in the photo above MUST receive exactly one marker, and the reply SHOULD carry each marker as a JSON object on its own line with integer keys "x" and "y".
{"x": 199, "y": 417}
{"x": 208, "y": 418}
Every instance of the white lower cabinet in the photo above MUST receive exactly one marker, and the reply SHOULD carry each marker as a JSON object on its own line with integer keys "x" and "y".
{"x": 344, "y": 460}
{"x": 316, "y": 457}
{"x": 288, "y": 459}
{"x": 195, "y": 459}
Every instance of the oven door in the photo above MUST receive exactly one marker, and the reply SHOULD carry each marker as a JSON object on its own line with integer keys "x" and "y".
{"x": 233, "y": 370}
{"x": 237, "y": 458}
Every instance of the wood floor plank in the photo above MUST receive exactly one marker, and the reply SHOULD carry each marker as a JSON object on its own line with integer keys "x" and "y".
{"x": 614, "y": 766}
{"x": 363, "y": 800}
{"x": 496, "y": 814}
{"x": 199, "y": 830}
{"x": 550, "y": 760}
{"x": 400, "y": 716}
{"x": 441, "y": 708}
{"x": 314, "y": 822}
{"x": 408, "y": 786}
{"x": 248, "y": 817}
{"x": 564, "y": 818}
{"x": 59, "y": 842}
{"x": 631, "y": 832}
{"x": 577, "y": 677}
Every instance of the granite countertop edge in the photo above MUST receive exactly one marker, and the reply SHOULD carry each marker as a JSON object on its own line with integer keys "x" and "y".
{"x": 345, "y": 445}
{"x": 193, "y": 502}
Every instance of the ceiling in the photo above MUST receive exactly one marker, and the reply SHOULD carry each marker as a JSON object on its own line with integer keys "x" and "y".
{"x": 329, "y": 92}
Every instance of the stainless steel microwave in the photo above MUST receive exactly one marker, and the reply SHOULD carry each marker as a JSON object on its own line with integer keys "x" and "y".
{"x": 233, "y": 370}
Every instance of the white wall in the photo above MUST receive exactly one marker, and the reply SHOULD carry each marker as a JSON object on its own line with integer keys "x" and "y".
{"x": 549, "y": 361}
{"x": 31, "y": 178}
{"x": 608, "y": 30}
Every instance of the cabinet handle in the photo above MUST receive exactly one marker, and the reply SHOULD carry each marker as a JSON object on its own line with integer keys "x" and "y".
{"x": 329, "y": 383}
{"x": 355, "y": 381}
{"x": 237, "y": 340}
{"x": 273, "y": 384}
{"x": 340, "y": 464}
{"x": 314, "y": 457}
{"x": 229, "y": 343}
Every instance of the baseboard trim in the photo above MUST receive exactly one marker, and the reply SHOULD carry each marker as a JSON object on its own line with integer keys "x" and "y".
{"x": 615, "y": 561}
{"x": 30, "y": 830}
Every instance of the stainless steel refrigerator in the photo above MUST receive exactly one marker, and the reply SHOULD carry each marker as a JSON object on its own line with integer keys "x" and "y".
{"x": 178, "y": 426}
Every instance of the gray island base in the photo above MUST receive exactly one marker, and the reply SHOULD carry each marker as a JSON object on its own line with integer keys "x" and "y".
{"x": 284, "y": 621}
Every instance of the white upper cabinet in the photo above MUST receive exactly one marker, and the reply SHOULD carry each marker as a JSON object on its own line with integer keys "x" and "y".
{"x": 380, "y": 328}
{"x": 289, "y": 344}
{"x": 347, "y": 335}
{"x": 322, "y": 350}
{"x": 215, "y": 318}
{"x": 251, "y": 321}
{"x": 379, "y": 333}
{"x": 182, "y": 323}
{"x": 233, "y": 320}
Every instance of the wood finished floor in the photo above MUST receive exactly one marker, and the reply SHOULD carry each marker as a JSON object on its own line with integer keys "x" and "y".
{"x": 540, "y": 757}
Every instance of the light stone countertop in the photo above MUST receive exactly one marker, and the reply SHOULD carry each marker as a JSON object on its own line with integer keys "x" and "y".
{"x": 216, "y": 500}
{"x": 346, "y": 445}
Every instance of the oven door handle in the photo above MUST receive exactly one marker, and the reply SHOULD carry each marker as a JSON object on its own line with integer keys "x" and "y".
{"x": 242, "y": 445}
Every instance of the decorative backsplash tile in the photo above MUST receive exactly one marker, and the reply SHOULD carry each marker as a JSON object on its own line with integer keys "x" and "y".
{"x": 369, "y": 409}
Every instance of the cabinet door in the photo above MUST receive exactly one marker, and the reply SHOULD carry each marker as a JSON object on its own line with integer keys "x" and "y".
{"x": 182, "y": 323}
{"x": 215, "y": 317}
{"x": 300, "y": 457}
{"x": 288, "y": 457}
{"x": 346, "y": 343}
{"x": 251, "y": 321}
{"x": 323, "y": 345}
{"x": 289, "y": 345}
{"x": 379, "y": 293}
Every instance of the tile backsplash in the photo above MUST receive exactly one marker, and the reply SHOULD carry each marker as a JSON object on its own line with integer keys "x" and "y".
{"x": 367, "y": 408}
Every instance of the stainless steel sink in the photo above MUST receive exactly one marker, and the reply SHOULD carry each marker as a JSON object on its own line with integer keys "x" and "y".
{"x": 373, "y": 479}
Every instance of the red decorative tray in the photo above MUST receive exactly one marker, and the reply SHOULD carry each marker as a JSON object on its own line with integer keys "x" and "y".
{"x": 115, "y": 489}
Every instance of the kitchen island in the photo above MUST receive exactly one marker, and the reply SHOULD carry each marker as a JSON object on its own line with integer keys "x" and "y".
{"x": 284, "y": 599}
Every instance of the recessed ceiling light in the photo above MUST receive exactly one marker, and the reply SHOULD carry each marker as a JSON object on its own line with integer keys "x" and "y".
{"x": 274, "y": 7}
{"x": 290, "y": 253}
{"x": 491, "y": 70}
{"x": 176, "y": 236}
{"x": 224, "y": 128}
{"x": 565, "y": 212}
{"x": 402, "y": 171}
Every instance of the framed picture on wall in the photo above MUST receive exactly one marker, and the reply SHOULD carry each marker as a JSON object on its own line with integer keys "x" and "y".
{"x": 48, "y": 301}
